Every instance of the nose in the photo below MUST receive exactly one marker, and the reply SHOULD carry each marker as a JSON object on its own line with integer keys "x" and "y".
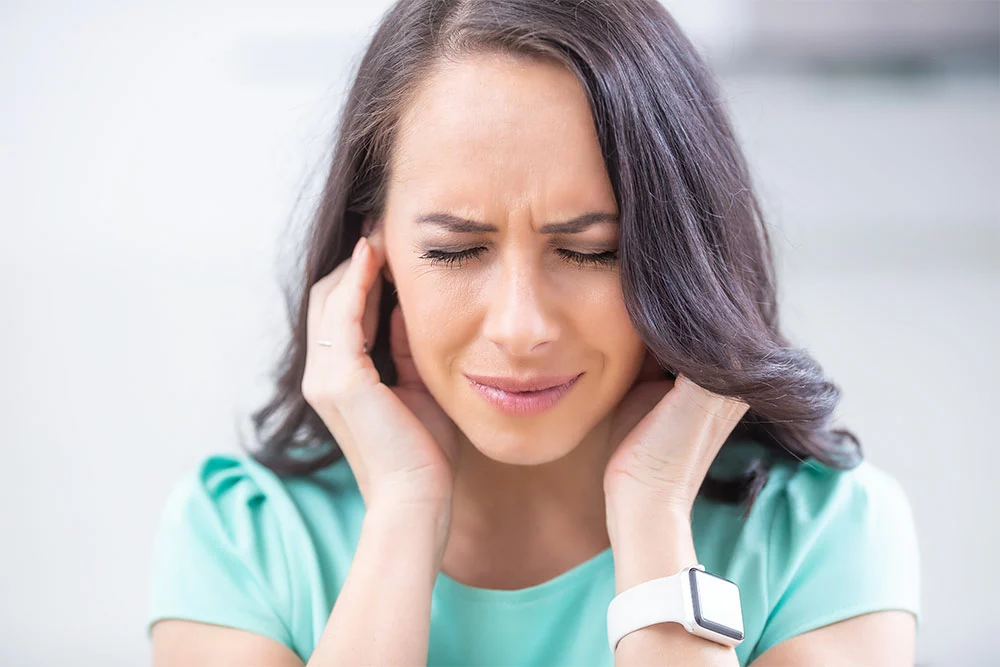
{"x": 521, "y": 317}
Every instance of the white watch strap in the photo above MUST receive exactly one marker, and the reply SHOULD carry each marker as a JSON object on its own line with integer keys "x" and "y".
{"x": 651, "y": 602}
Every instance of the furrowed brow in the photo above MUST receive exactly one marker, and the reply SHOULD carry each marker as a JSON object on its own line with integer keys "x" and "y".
{"x": 463, "y": 225}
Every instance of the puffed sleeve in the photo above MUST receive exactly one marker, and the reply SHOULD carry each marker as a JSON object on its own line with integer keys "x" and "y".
{"x": 218, "y": 555}
{"x": 841, "y": 543}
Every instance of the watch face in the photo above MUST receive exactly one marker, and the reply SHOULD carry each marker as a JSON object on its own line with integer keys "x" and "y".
{"x": 716, "y": 604}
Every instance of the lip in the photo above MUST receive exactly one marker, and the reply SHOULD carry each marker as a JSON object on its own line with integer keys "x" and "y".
{"x": 512, "y": 385}
{"x": 525, "y": 402}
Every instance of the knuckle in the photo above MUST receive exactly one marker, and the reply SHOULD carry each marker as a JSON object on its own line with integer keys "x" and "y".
{"x": 319, "y": 288}
{"x": 333, "y": 298}
{"x": 326, "y": 284}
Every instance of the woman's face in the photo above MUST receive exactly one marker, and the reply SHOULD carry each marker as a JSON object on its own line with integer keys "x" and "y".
{"x": 510, "y": 144}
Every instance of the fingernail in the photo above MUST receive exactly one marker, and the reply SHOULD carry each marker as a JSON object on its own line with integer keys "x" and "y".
{"x": 359, "y": 247}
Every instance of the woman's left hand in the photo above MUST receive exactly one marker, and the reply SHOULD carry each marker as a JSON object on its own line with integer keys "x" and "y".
{"x": 669, "y": 432}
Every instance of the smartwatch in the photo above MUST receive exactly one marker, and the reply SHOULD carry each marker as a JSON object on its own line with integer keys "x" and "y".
{"x": 706, "y": 605}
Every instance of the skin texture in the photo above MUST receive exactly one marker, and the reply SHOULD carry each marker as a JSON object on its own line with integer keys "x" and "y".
{"x": 511, "y": 143}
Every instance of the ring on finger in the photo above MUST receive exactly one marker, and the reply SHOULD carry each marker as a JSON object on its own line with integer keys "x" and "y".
{"x": 329, "y": 343}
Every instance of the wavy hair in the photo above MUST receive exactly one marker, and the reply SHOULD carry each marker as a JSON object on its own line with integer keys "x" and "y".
{"x": 696, "y": 262}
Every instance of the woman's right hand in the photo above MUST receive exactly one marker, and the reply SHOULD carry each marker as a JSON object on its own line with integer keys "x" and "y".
{"x": 399, "y": 442}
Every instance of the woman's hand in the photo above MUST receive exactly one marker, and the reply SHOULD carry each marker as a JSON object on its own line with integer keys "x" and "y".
{"x": 400, "y": 444}
{"x": 669, "y": 432}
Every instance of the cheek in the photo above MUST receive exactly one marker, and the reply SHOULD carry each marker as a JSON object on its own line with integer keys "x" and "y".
{"x": 601, "y": 301}
{"x": 616, "y": 339}
{"x": 436, "y": 326}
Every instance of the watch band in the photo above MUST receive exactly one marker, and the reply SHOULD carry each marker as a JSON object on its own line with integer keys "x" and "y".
{"x": 651, "y": 602}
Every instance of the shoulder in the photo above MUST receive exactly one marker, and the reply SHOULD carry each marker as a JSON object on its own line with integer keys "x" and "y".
{"x": 234, "y": 487}
{"x": 805, "y": 498}
{"x": 838, "y": 544}
{"x": 224, "y": 482}
{"x": 806, "y": 504}
{"x": 812, "y": 503}
{"x": 819, "y": 545}
{"x": 240, "y": 546}
{"x": 231, "y": 500}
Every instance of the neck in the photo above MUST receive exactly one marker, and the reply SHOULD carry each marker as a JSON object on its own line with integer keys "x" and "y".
{"x": 549, "y": 514}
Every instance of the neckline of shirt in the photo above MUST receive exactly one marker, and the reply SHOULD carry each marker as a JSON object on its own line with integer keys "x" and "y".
{"x": 447, "y": 586}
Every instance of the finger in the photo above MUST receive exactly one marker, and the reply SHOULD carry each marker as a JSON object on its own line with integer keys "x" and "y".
{"x": 318, "y": 294}
{"x": 399, "y": 346}
{"x": 725, "y": 408}
{"x": 376, "y": 259}
{"x": 345, "y": 306}
{"x": 318, "y": 367}
{"x": 343, "y": 366}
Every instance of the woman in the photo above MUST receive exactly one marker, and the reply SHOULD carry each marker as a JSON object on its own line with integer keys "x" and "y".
{"x": 536, "y": 364}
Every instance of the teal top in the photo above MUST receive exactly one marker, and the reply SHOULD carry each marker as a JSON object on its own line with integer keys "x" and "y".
{"x": 238, "y": 546}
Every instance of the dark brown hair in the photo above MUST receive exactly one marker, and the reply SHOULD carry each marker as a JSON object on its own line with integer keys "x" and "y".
{"x": 696, "y": 261}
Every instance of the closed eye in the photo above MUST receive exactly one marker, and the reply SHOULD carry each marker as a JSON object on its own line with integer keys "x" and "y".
{"x": 601, "y": 259}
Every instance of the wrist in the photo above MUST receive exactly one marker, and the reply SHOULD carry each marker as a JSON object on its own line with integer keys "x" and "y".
{"x": 650, "y": 543}
{"x": 412, "y": 527}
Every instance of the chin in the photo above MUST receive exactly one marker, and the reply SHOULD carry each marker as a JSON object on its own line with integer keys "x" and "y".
{"x": 520, "y": 450}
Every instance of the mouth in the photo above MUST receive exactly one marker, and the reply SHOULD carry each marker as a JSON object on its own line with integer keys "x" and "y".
{"x": 523, "y": 402}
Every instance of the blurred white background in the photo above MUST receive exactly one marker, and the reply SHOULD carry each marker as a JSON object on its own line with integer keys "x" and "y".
{"x": 156, "y": 162}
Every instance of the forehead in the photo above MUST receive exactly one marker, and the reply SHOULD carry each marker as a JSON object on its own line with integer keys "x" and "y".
{"x": 511, "y": 126}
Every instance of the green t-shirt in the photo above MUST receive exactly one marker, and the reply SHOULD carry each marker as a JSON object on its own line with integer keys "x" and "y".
{"x": 237, "y": 546}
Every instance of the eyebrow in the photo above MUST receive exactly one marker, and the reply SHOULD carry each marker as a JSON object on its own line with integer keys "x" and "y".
{"x": 462, "y": 225}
